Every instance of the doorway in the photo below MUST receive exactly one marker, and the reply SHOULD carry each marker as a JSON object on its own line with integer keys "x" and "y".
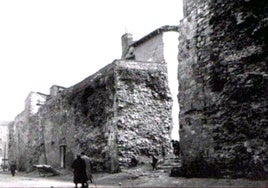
{"x": 62, "y": 156}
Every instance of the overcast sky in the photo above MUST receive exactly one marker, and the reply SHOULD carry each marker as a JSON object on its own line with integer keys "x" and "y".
{"x": 61, "y": 42}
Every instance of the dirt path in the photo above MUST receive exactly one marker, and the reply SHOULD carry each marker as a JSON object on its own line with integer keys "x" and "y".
{"x": 141, "y": 176}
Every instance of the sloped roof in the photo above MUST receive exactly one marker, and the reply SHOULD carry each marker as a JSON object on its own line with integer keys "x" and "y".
{"x": 162, "y": 29}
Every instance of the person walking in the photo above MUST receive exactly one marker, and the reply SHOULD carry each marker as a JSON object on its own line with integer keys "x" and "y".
{"x": 88, "y": 166}
{"x": 154, "y": 162}
{"x": 13, "y": 168}
{"x": 79, "y": 172}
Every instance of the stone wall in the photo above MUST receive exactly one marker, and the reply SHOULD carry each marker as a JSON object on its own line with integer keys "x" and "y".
{"x": 80, "y": 117}
{"x": 18, "y": 145}
{"x": 144, "y": 111}
{"x": 121, "y": 113}
{"x": 191, "y": 6}
{"x": 25, "y": 141}
{"x": 223, "y": 83}
{"x": 194, "y": 136}
{"x": 11, "y": 141}
{"x": 3, "y": 142}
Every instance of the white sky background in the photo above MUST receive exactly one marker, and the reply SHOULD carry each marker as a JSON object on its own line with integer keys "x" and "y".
{"x": 61, "y": 42}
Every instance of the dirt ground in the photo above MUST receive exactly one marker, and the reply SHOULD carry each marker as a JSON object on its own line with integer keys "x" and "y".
{"x": 143, "y": 176}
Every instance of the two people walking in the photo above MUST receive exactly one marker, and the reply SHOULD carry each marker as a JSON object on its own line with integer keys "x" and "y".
{"x": 82, "y": 170}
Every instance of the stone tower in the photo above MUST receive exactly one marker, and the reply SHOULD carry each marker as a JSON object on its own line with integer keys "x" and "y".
{"x": 223, "y": 84}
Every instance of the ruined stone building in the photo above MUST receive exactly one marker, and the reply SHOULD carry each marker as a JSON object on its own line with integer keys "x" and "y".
{"x": 3, "y": 144}
{"x": 21, "y": 144}
{"x": 122, "y": 113}
{"x": 119, "y": 115}
{"x": 158, "y": 46}
{"x": 223, "y": 84}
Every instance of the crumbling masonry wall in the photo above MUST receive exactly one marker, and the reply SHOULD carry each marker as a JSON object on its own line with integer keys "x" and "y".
{"x": 223, "y": 84}
{"x": 144, "y": 106}
{"x": 110, "y": 116}
{"x": 81, "y": 118}
{"x": 121, "y": 113}
{"x": 25, "y": 141}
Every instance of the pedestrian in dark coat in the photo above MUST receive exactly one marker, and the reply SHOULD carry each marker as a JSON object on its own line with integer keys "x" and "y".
{"x": 154, "y": 162}
{"x": 13, "y": 168}
{"x": 88, "y": 166}
{"x": 79, "y": 171}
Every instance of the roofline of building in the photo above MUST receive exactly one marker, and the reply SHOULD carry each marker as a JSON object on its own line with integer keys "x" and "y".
{"x": 58, "y": 86}
{"x": 162, "y": 29}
